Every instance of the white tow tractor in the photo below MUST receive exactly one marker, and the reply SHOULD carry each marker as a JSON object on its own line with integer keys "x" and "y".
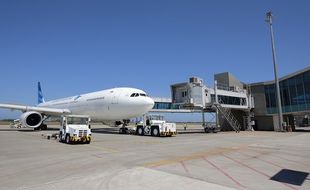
{"x": 16, "y": 124}
{"x": 74, "y": 129}
{"x": 155, "y": 125}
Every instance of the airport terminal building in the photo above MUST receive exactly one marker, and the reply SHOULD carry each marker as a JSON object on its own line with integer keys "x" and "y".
{"x": 295, "y": 98}
{"x": 250, "y": 105}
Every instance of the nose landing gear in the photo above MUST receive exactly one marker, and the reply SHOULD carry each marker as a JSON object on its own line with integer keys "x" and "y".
{"x": 124, "y": 129}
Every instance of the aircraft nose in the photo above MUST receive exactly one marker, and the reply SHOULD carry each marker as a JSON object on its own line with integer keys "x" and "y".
{"x": 149, "y": 103}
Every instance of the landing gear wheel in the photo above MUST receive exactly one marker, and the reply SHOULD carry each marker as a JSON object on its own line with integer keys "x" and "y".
{"x": 140, "y": 131}
{"x": 123, "y": 130}
{"x": 155, "y": 132}
{"x": 43, "y": 126}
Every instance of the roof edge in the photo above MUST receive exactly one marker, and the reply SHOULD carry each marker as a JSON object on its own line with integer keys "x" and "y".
{"x": 282, "y": 78}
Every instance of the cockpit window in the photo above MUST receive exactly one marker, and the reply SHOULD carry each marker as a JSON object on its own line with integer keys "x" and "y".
{"x": 134, "y": 95}
{"x": 137, "y": 94}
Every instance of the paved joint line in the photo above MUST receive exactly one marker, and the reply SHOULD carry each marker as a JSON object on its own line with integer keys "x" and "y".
{"x": 104, "y": 149}
{"x": 289, "y": 160}
{"x": 185, "y": 168}
{"x": 225, "y": 173}
{"x": 217, "y": 151}
{"x": 263, "y": 160}
{"x": 257, "y": 171}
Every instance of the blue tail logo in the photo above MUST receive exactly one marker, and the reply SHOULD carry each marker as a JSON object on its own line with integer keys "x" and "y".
{"x": 40, "y": 94}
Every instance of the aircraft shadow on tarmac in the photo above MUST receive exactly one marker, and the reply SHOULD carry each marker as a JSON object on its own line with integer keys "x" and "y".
{"x": 28, "y": 129}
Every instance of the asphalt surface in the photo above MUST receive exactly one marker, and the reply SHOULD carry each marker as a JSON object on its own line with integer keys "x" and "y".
{"x": 227, "y": 160}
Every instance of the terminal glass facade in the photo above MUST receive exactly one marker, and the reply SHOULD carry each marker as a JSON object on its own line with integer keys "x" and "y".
{"x": 295, "y": 94}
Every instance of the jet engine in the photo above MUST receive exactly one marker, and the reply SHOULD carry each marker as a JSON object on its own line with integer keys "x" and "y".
{"x": 31, "y": 119}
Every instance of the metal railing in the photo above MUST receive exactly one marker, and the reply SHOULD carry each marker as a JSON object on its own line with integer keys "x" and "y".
{"x": 231, "y": 119}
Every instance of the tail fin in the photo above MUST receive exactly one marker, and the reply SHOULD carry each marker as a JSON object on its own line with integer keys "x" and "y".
{"x": 40, "y": 94}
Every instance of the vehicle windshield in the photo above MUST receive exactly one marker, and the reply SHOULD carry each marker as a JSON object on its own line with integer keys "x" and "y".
{"x": 77, "y": 120}
{"x": 156, "y": 117}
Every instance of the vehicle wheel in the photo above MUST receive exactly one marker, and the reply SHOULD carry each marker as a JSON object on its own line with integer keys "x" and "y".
{"x": 87, "y": 142}
{"x": 60, "y": 137}
{"x": 68, "y": 141}
{"x": 155, "y": 132}
{"x": 140, "y": 131}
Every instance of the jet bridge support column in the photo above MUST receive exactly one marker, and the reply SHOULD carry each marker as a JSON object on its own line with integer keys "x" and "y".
{"x": 203, "y": 118}
{"x": 248, "y": 121}
{"x": 216, "y": 102}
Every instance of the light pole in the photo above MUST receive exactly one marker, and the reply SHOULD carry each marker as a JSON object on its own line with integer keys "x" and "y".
{"x": 269, "y": 20}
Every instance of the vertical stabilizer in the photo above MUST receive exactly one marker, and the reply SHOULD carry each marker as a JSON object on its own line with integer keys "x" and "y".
{"x": 40, "y": 94}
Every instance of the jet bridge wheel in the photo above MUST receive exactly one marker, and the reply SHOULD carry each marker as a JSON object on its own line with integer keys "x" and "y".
{"x": 210, "y": 130}
{"x": 155, "y": 131}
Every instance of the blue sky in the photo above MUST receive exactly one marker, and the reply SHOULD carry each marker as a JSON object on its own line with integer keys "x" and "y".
{"x": 78, "y": 46}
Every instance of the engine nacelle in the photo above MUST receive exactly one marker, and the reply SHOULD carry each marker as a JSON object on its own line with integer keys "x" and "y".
{"x": 31, "y": 119}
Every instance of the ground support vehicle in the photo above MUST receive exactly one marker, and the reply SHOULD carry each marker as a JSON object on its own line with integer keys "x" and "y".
{"x": 155, "y": 125}
{"x": 75, "y": 129}
{"x": 16, "y": 124}
{"x": 210, "y": 128}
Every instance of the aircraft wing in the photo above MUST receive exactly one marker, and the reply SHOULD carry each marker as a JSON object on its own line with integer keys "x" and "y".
{"x": 44, "y": 110}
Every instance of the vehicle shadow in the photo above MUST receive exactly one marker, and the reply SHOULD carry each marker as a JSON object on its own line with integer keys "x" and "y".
{"x": 107, "y": 130}
{"x": 291, "y": 177}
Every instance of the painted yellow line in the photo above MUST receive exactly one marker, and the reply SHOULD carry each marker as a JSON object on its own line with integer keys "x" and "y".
{"x": 148, "y": 142}
{"x": 194, "y": 156}
{"x": 104, "y": 149}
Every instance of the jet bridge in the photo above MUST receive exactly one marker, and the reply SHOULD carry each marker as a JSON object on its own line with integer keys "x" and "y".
{"x": 230, "y": 101}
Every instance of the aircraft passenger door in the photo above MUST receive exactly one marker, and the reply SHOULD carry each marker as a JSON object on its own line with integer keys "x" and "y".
{"x": 114, "y": 99}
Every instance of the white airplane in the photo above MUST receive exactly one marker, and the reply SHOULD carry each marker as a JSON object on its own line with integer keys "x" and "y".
{"x": 112, "y": 105}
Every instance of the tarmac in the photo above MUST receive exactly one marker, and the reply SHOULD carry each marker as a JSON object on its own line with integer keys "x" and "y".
{"x": 225, "y": 160}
